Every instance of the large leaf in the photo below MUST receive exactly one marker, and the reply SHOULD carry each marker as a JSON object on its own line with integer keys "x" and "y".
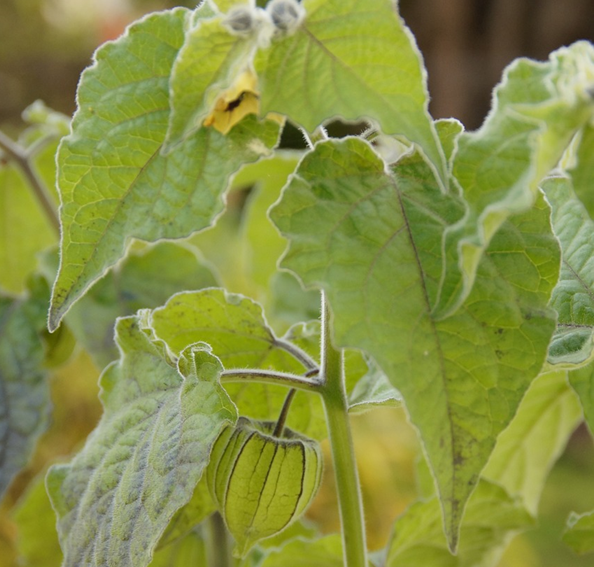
{"x": 323, "y": 552}
{"x": 372, "y": 241}
{"x": 144, "y": 459}
{"x": 534, "y": 440}
{"x": 491, "y": 520}
{"x": 239, "y": 335}
{"x": 114, "y": 181}
{"x": 573, "y": 297}
{"x": 537, "y": 109}
{"x": 354, "y": 60}
{"x": 24, "y": 390}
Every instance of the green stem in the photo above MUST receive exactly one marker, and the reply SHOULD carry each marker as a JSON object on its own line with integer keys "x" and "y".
{"x": 271, "y": 377}
{"x": 297, "y": 353}
{"x": 22, "y": 160}
{"x": 282, "y": 418}
{"x": 218, "y": 545}
{"x": 343, "y": 454}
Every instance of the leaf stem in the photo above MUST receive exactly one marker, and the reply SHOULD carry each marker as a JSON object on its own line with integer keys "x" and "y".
{"x": 271, "y": 377}
{"x": 282, "y": 418}
{"x": 21, "y": 158}
{"x": 296, "y": 353}
{"x": 343, "y": 454}
{"x": 218, "y": 547}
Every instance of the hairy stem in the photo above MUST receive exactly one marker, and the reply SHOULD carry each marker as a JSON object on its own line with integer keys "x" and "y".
{"x": 22, "y": 160}
{"x": 282, "y": 418}
{"x": 297, "y": 353}
{"x": 218, "y": 546}
{"x": 343, "y": 454}
{"x": 271, "y": 377}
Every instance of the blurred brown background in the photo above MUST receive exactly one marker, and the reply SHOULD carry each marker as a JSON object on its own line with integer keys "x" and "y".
{"x": 45, "y": 44}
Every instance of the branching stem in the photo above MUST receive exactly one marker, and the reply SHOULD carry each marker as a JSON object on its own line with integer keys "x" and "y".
{"x": 297, "y": 353}
{"x": 271, "y": 377}
{"x": 282, "y": 418}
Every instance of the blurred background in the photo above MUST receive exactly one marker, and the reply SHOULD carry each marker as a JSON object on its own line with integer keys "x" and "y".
{"x": 44, "y": 46}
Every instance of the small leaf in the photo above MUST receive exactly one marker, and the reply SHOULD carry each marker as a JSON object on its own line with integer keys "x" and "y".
{"x": 262, "y": 483}
{"x": 526, "y": 451}
{"x": 372, "y": 241}
{"x": 355, "y": 60}
{"x": 579, "y": 532}
{"x": 25, "y": 401}
{"x": 537, "y": 109}
{"x": 491, "y": 519}
{"x": 582, "y": 381}
{"x": 114, "y": 181}
{"x": 188, "y": 551}
{"x": 146, "y": 456}
{"x": 573, "y": 297}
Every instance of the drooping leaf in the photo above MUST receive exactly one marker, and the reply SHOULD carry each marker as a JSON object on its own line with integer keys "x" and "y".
{"x": 37, "y": 540}
{"x": 24, "y": 399}
{"x": 537, "y": 109}
{"x": 355, "y": 60}
{"x": 579, "y": 532}
{"x": 323, "y": 552}
{"x": 146, "y": 456}
{"x": 573, "y": 298}
{"x": 534, "y": 440}
{"x": 114, "y": 181}
{"x": 582, "y": 173}
{"x": 372, "y": 241}
{"x": 239, "y": 335}
{"x": 491, "y": 520}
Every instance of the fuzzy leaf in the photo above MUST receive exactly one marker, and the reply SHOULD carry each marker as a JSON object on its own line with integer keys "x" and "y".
{"x": 355, "y": 60}
{"x": 146, "y": 456}
{"x": 114, "y": 181}
{"x": 573, "y": 298}
{"x": 24, "y": 389}
{"x": 372, "y": 241}
{"x": 582, "y": 173}
{"x": 534, "y": 440}
{"x": 582, "y": 381}
{"x": 491, "y": 519}
{"x": 537, "y": 109}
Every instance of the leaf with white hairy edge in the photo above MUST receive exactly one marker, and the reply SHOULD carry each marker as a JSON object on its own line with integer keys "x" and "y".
{"x": 537, "y": 109}
{"x": 579, "y": 532}
{"x": 371, "y": 239}
{"x": 115, "y": 183}
{"x": 573, "y": 297}
{"x": 144, "y": 459}
{"x": 354, "y": 60}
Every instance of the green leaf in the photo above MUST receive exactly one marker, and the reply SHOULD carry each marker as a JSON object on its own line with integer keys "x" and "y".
{"x": 372, "y": 241}
{"x": 25, "y": 229}
{"x": 323, "y": 552}
{"x": 115, "y": 183}
{"x": 239, "y": 335}
{"x": 582, "y": 381}
{"x": 146, "y": 278}
{"x": 537, "y": 109}
{"x": 24, "y": 399}
{"x": 534, "y": 440}
{"x": 491, "y": 520}
{"x": 372, "y": 390}
{"x": 37, "y": 541}
{"x": 146, "y": 456}
{"x": 355, "y": 60}
{"x": 209, "y": 62}
{"x": 579, "y": 533}
{"x": 573, "y": 297}
{"x": 582, "y": 173}
{"x": 188, "y": 551}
